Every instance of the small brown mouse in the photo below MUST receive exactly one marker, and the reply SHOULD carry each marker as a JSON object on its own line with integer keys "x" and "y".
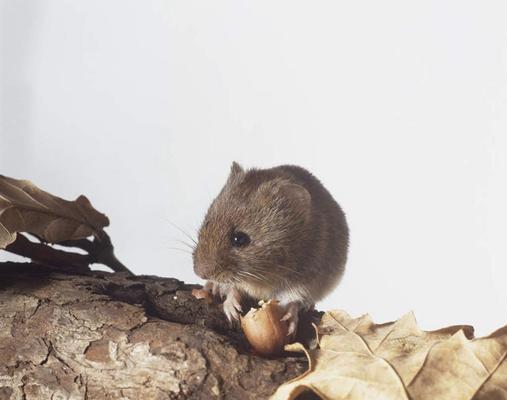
{"x": 272, "y": 233}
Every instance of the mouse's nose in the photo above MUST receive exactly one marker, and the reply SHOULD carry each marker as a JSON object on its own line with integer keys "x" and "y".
{"x": 203, "y": 270}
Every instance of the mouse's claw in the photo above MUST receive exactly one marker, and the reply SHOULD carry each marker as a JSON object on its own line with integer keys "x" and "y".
{"x": 232, "y": 305}
{"x": 292, "y": 318}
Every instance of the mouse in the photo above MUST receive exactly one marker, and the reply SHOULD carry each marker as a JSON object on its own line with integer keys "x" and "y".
{"x": 274, "y": 233}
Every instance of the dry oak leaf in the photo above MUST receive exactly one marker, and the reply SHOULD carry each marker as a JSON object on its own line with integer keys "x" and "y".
{"x": 357, "y": 359}
{"x": 26, "y": 208}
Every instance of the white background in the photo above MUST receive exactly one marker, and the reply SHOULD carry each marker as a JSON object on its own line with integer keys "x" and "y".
{"x": 400, "y": 108}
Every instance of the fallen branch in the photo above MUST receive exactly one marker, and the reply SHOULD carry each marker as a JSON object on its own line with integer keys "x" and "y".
{"x": 99, "y": 251}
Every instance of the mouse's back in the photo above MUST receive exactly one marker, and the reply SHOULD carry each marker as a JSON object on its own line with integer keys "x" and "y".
{"x": 327, "y": 246}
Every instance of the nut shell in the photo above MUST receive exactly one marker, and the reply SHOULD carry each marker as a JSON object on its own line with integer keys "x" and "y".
{"x": 264, "y": 330}
{"x": 202, "y": 294}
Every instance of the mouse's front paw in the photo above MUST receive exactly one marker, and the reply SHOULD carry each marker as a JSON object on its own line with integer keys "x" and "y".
{"x": 214, "y": 289}
{"x": 292, "y": 317}
{"x": 232, "y": 305}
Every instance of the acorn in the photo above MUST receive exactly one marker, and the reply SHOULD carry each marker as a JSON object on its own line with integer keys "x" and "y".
{"x": 264, "y": 330}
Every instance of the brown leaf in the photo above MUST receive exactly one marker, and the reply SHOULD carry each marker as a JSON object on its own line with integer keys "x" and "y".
{"x": 26, "y": 208}
{"x": 357, "y": 359}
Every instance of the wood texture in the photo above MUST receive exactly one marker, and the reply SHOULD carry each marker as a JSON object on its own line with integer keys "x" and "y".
{"x": 112, "y": 336}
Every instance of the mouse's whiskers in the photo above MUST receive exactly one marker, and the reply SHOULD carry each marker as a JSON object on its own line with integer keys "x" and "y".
{"x": 289, "y": 269}
{"x": 264, "y": 271}
{"x": 184, "y": 232}
{"x": 250, "y": 275}
{"x": 186, "y": 244}
{"x": 182, "y": 250}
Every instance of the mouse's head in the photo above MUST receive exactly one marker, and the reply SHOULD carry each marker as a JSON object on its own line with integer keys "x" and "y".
{"x": 252, "y": 229}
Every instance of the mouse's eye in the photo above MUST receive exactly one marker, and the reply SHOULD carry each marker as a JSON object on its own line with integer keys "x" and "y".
{"x": 239, "y": 239}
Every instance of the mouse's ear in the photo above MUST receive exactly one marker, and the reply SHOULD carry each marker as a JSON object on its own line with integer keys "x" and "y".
{"x": 236, "y": 169}
{"x": 236, "y": 172}
{"x": 296, "y": 195}
{"x": 292, "y": 195}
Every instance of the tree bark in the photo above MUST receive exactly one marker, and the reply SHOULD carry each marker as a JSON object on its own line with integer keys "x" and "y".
{"x": 110, "y": 336}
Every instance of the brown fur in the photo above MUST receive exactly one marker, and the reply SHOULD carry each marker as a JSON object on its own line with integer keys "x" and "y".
{"x": 299, "y": 235}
